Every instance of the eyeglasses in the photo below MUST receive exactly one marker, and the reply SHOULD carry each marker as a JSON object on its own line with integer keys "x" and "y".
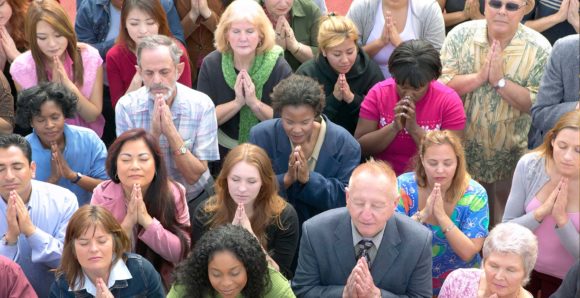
{"x": 509, "y": 6}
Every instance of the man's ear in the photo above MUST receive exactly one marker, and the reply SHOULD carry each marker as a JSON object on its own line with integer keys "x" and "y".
{"x": 346, "y": 194}
{"x": 33, "y": 169}
{"x": 180, "y": 67}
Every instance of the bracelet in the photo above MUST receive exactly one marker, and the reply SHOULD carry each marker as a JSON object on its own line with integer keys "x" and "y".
{"x": 297, "y": 49}
{"x": 449, "y": 228}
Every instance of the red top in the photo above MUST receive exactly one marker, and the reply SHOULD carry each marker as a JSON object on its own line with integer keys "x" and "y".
{"x": 13, "y": 282}
{"x": 120, "y": 66}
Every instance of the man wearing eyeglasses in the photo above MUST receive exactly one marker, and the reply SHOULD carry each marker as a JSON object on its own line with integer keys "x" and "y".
{"x": 495, "y": 65}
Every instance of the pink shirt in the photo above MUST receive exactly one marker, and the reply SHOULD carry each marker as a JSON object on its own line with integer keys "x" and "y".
{"x": 461, "y": 283}
{"x": 441, "y": 108}
{"x": 121, "y": 64}
{"x": 23, "y": 71}
{"x": 110, "y": 196}
{"x": 553, "y": 258}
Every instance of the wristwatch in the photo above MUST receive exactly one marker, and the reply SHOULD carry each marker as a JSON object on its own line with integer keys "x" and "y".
{"x": 182, "y": 150}
{"x": 500, "y": 84}
{"x": 79, "y": 176}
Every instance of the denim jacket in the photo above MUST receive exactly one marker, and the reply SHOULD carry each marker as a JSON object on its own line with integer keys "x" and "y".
{"x": 92, "y": 23}
{"x": 146, "y": 282}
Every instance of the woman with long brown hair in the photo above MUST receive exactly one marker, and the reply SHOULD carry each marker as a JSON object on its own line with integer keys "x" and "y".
{"x": 247, "y": 195}
{"x": 441, "y": 195}
{"x": 545, "y": 199}
{"x": 55, "y": 56}
{"x": 151, "y": 208}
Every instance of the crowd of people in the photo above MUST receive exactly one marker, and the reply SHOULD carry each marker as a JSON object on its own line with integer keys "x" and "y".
{"x": 268, "y": 148}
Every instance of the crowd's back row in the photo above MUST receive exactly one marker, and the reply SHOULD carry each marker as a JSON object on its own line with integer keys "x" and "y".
{"x": 160, "y": 181}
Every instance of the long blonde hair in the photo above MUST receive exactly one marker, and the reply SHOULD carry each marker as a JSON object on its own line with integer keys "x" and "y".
{"x": 461, "y": 177}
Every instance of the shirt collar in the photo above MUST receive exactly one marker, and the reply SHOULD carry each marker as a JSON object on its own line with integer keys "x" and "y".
{"x": 316, "y": 152}
{"x": 118, "y": 272}
{"x": 357, "y": 237}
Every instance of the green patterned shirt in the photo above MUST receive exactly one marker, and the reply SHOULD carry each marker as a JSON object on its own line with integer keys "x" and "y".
{"x": 496, "y": 133}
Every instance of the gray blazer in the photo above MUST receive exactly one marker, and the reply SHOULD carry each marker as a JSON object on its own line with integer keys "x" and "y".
{"x": 559, "y": 89}
{"x": 402, "y": 266}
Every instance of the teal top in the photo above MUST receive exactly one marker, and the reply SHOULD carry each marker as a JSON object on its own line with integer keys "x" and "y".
{"x": 280, "y": 288}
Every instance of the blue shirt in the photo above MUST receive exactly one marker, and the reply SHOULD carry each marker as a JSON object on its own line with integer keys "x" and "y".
{"x": 50, "y": 208}
{"x": 84, "y": 152}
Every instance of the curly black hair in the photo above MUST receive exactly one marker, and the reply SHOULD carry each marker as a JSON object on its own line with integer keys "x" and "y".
{"x": 297, "y": 90}
{"x": 30, "y": 100}
{"x": 192, "y": 272}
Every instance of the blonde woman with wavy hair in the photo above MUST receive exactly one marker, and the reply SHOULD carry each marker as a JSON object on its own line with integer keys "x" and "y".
{"x": 441, "y": 195}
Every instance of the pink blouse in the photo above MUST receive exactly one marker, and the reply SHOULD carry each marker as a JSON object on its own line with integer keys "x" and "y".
{"x": 110, "y": 196}
{"x": 23, "y": 71}
{"x": 461, "y": 283}
{"x": 553, "y": 258}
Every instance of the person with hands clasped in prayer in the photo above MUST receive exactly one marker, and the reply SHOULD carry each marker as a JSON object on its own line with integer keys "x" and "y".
{"x": 247, "y": 195}
{"x": 397, "y": 112}
{"x": 181, "y": 119}
{"x": 151, "y": 208}
{"x": 441, "y": 195}
{"x": 495, "y": 65}
{"x": 55, "y": 56}
{"x": 312, "y": 157}
{"x": 545, "y": 198}
{"x": 34, "y": 214}
{"x": 97, "y": 261}
{"x": 296, "y": 25}
{"x": 67, "y": 155}
{"x": 343, "y": 68}
{"x": 384, "y": 24}
{"x": 365, "y": 249}
{"x": 240, "y": 75}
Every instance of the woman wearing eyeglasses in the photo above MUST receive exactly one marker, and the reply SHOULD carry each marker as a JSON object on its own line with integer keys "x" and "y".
{"x": 495, "y": 65}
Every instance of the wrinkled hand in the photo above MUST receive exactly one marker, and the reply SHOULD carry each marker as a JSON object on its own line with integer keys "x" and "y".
{"x": 471, "y": 10}
{"x": 495, "y": 64}
{"x": 240, "y": 98}
{"x": 167, "y": 125}
{"x": 483, "y": 73}
{"x": 102, "y": 290}
{"x": 349, "y": 290}
{"x": 281, "y": 32}
{"x": 363, "y": 280}
{"x": 559, "y": 208}
{"x": 156, "y": 118}
{"x": 291, "y": 42}
{"x": 249, "y": 88}
{"x": 302, "y": 171}
{"x": 24, "y": 222}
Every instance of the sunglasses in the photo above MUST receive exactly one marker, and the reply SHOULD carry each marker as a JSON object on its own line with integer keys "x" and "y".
{"x": 509, "y": 6}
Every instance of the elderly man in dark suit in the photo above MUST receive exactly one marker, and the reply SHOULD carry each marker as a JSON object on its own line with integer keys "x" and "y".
{"x": 365, "y": 249}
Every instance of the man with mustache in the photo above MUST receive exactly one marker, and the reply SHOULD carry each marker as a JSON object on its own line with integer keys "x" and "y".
{"x": 181, "y": 118}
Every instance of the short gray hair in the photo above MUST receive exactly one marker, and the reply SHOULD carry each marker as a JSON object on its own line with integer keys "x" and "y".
{"x": 155, "y": 41}
{"x": 513, "y": 238}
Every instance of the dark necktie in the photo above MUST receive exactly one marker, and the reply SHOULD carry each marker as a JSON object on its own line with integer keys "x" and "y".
{"x": 364, "y": 247}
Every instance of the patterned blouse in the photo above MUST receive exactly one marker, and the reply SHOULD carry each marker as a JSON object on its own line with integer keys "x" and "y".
{"x": 496, "y": 133}
{"x": 471, "y": 216}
